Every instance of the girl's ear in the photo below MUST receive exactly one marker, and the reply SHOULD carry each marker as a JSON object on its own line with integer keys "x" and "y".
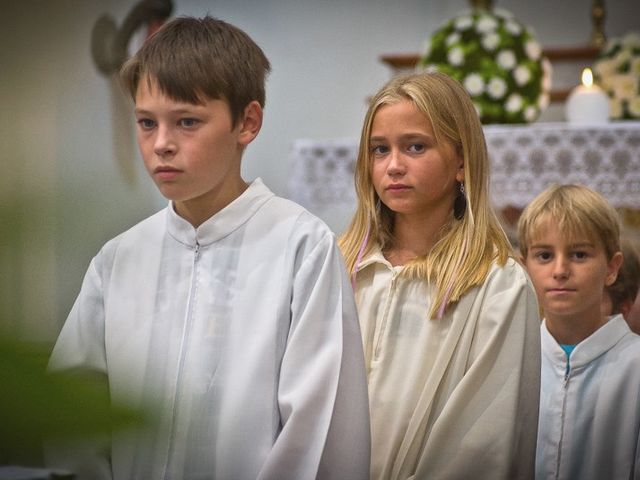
{"x": 460, "y": 172}
{"x": 613, "y": 267}
{"x": 250, "y": 124}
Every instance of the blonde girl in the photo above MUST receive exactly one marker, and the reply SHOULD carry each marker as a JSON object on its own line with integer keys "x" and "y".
{"x": 449, "y": 319}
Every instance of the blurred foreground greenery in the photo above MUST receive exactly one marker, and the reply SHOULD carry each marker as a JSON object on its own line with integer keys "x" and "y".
{"x": 36, "y": 404}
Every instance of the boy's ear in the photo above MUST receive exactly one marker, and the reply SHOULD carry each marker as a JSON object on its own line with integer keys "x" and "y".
{"x": 250, "y": 124}
{"x": 612, "y": 268}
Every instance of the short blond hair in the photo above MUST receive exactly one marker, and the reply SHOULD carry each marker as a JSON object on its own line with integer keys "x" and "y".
{"x": 577, "y": 210}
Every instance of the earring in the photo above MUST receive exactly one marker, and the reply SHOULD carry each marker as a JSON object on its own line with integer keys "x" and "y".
{"x": 460, "y": 204}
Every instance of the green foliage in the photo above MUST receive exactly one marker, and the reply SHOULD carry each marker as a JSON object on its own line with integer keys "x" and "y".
{"x": 497, "y": 60}
{"x": 617, "y": 71}
{"x": 35, "y": 404}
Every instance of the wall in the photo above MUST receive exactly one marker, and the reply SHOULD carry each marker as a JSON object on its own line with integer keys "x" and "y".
{"x": 72, "y": 177}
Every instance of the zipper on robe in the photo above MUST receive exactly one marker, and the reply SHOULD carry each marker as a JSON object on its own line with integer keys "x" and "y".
{"x": 385, "y": 316}
{"x": 565, "y": 382}
{"x": 183, "y": 352}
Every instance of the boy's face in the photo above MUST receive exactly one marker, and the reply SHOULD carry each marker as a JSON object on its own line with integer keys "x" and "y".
{"x": 192, "y": 152}
{"x": 569, "y": 275}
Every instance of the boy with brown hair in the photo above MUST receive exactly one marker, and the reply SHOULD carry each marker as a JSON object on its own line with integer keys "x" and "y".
{"x": 589, "y": 423}
{"x": 231, "y": 307}
{"x": 620, "y": 296}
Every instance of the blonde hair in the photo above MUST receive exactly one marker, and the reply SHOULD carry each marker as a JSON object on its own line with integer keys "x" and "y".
{"x": 577, "y": 210}
{"x": 462, "y": 256}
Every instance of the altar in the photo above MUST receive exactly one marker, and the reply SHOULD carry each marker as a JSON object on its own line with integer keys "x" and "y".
{"x": 525, "y": 159}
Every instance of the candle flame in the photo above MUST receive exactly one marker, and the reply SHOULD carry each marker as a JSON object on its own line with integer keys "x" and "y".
{"x": 587, "y": 77}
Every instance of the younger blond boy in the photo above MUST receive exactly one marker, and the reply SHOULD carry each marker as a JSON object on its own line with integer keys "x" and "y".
{"x": 590, "y": 383}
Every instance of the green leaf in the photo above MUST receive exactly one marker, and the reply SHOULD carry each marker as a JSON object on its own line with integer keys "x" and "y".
{"x": 35, "y": 404}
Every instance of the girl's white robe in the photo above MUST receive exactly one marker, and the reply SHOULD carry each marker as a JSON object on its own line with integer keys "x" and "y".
{"x": 454, "y": 398}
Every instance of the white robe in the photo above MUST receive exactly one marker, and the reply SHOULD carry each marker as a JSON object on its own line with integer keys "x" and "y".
{"x": 454, "y": 398}
{"x": 244, "y": 331}
{"x": 590, "y": 416}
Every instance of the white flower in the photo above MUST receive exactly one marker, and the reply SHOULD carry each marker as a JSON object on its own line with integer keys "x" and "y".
{"x": 496, "y": 88}
{"x": 533, "y": 49}
{"x": 546, "y": 74}
{"x": 617, "y": 71}
{"x": 622, "y": 57}
{"x": 490, "y": 41}
{"x": 510, "y": 59}
{"x": 486, "y": 24}
{"x": 431, "y": 68}
{"x": 513, "y": 27}
{"x": 522, "y": 75}
{"x": 615, "y": 108}
{"x": 455, "y": 56}
{"x": 474, "y": 84}
{"x": 604, "y": 68}
{"x": 462, "y": 23}
{"x": 514, "y": 103}
{"x": 530, "y": 113}
{"x": 634, "y": 106}
{"x": 625, "y": 86}
{"x": 606, "y": 82}
{"x": 453, "y": 38}
{"x": 506, "y": 59}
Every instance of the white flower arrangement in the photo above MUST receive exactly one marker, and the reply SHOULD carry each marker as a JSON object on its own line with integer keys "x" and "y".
{"x": 617, "y": 71}
{"x": 497, "y": 60}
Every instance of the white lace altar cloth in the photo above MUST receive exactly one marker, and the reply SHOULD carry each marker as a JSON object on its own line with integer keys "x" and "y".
{"x": 525, "y": 159}
{"x": 322, "y": 173}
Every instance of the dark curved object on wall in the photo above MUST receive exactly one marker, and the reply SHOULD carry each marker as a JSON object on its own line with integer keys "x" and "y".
{"x": 109, "y": 43}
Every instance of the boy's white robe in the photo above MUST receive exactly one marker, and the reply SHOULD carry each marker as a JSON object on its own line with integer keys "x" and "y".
{"x": 454, "y": 398}
{"x": 243, "y": 332}
{"x": 590, "y": 416}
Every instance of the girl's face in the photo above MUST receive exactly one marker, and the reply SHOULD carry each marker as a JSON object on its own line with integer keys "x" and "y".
{"x": 412, "y": 175}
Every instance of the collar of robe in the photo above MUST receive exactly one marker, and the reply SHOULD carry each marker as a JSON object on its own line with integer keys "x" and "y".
{"x": 598, "y": 343}
{"x": 223, "y": 223}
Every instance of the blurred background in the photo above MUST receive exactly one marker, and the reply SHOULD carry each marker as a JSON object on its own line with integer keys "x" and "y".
{"x": 72, "y": 177}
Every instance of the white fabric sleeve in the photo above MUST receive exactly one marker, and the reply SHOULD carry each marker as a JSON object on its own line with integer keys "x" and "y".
{"x": 322, "y": 394}
{"x": 491, "y": 418}
{"x": 80, "y": 348}
{"x": 80, "y": 344}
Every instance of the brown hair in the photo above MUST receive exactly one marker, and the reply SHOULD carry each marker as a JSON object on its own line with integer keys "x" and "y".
{"x": 193, "y": 59}
{"x": 625, "y": 288}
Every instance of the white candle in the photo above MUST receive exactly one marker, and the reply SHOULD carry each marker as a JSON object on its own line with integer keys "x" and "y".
{"x": 587, "y": 103}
